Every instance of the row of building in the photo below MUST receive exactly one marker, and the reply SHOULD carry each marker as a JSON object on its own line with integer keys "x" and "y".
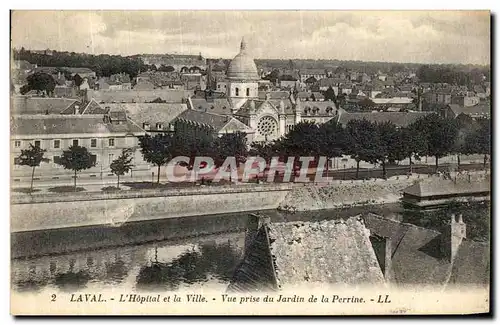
{"x": 108, "y": 121}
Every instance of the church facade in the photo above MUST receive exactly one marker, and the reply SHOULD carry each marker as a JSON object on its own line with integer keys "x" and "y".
{"x": 263, "y": 115}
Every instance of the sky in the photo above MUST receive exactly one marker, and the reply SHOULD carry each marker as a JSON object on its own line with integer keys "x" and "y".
{"x": 393, "y": 36}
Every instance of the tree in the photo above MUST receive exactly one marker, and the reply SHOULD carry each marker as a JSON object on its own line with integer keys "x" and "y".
{"x": 230, "y": 145}
{"x": 387, "y": 139}
{"x": 311, "y": 80}
{"x": 366, "y": 104}
{"x": 77, "y": 159}
{"x": 479, "y": 140}
{"x": 78, "y": 80}
{"x": 330, "y": 94}
{"x": 332, "y": 140}
{"x": 411, "y": 144}
{"x": 122, "y": 165}
{"x": 31, "y": 157}
{"x": 41, "y": 82}
{"x": 157, "y": 149}
{"x": 440, "y": 134}
{"x": 361, "y": 141}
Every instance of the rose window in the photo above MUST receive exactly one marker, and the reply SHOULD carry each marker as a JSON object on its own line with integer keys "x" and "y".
{"x": 267, "y": 126}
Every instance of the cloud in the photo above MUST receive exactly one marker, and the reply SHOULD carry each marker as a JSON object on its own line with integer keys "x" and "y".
{"x": 403, "y": 36}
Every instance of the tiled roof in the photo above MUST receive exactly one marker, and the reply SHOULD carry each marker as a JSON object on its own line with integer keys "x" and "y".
{"x": 274, "y": 94}
{"x": 327, "y": 82}
{"x": 311, "y": 71}
{"x": 322, "y": 108}
{"x": 216, "y": 105}
{"x": 140, "y": 96}
{"x": 401, "y": 119}
{"x": 294, "y": 253}
{"x": 433, "y": 187}
{"x": 394, "y": 100}
{"x": 149, "y": 112}
{"x": 416, "y": 256}
{"x": 67, "y": 124}
{"x": 216, "y": 121}
{"x": 94, "y": 108}
{"x": 334, "y": 251}
{"x": 479, "y": 109}
{"x": 40, "y": 105}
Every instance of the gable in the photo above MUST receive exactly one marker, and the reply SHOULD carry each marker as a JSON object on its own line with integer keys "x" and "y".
{"x": 267, "y": 108}
{"x": 235, "y": 125}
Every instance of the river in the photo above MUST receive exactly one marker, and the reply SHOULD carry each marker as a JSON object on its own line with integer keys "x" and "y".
{"x": 145, "y": 256}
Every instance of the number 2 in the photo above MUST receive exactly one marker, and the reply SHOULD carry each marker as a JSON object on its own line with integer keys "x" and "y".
{"x": 53, "y": 297}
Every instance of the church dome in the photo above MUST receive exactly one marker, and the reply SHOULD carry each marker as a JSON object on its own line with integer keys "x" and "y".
{"x": 242, "y": 67}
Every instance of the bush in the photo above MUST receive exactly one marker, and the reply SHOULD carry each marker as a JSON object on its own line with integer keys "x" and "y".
{"x": 66, "y": 189}
{"x": 26, "y": 190}
{"x": 110, "y": 189}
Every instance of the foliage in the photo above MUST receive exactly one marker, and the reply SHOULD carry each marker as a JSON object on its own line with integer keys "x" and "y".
{"x": 104, "y": 65}
{"x": 440, "y": 134}
{"x": 452, "y": 75}
{"x": 122, "y": 165}
{"x": 330, "y": 94}
{"x": 361, "y": 141}
{"x": 41, "y": 83}
{"x": 65, "y": 189}
{"x": 78, "y": 80}
{"x": 230, "y": 145}
{"x": 157, "y": 150}
{"x": 76, "y": 158}
{"x": 479, "y": 140}
{"x": 366, "y": 104}
{"x": 164, "y": 68}
{"x": 32, "y": 157}
{"x": 386, "y": 139}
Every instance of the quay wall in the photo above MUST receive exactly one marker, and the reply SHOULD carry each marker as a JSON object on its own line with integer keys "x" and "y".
{"x": 84, "y": 209}
{"x": 90, "y": 209}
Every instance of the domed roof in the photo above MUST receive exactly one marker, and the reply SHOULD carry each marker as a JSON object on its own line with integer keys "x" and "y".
{"x": 242, "y": 67}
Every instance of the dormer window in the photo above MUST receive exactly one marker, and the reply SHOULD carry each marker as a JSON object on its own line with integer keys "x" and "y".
{"x": 159, "y": 126}
{"x": 237, "y": 91}
{"x": 145, "y": 126}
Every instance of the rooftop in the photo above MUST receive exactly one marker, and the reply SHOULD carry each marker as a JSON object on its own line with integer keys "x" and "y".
{"x": 287, "y": 254}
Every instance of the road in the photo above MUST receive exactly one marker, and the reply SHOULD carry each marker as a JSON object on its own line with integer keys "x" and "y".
{"x": 146, "y": 182}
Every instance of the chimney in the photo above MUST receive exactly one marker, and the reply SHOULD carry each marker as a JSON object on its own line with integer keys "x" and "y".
{"x": 452, "y": 236}
{"x": 382, "y": 247}
{"x": 254, "y": 224}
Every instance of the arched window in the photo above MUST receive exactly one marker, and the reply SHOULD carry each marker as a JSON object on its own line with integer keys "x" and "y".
{"x": 248, "y": 92}
{"x": 237, "y": 91}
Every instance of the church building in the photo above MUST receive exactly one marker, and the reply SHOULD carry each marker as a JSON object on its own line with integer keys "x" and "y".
{"x": 260, "y": 115}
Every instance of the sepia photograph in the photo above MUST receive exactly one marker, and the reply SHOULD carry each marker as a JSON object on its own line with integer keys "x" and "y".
{"x": 250, "y": 162}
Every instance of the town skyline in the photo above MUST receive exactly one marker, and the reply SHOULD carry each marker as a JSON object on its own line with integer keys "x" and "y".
{"x": 413, "y": 37}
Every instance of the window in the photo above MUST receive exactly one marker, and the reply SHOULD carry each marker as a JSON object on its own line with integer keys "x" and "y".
{"x": 37, "y": 143}
{"x": 56, "y": 159}
{"x": 93, "y": 143}
{"x": 75, "y": 143}
{"x": 237, "y": 91}
{"x": 17, "y": 161}
{"x": 17, "y": 144}
{"x": 111, "y": 142}
{"x": 93, "y": 159}
{"x": 57, "y": 144}
{"x": 159, "y": 126}
{"x": 111, "y": 157}
{"x": 218, "y": 86}
{"x": 248, "y": 91}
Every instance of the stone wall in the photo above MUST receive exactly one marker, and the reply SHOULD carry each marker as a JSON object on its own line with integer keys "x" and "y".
{"x": 90, "y": 209}
{"x": 346, "y": 193}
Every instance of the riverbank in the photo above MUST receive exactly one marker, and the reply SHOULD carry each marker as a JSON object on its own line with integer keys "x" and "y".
{"x": 83, "y": 209}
